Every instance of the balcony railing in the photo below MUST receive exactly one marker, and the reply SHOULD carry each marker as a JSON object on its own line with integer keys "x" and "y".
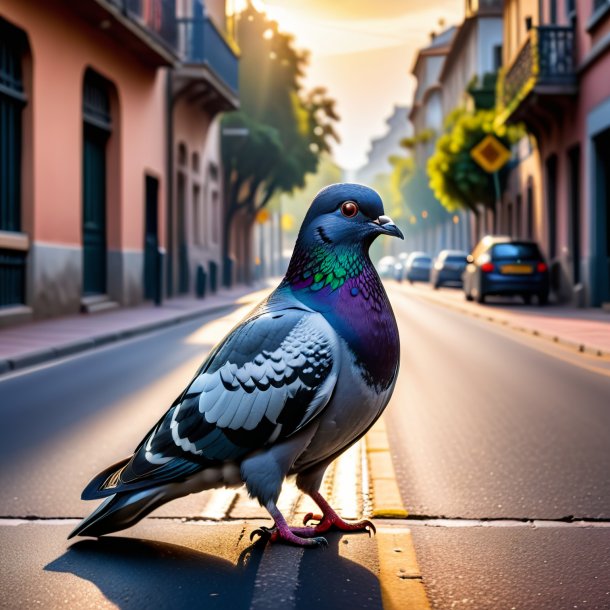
{"x": 200, "y": 42}
{"x": 193, "y": 40}
{"x": 157, "y": 17}
{"x": 545, "y": 62}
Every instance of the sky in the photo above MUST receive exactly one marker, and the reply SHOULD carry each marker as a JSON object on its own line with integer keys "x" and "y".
{"x": 362, "y": 51}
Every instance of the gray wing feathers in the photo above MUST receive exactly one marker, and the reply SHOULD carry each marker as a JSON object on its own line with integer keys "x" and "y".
{"x": 238, "y": 397}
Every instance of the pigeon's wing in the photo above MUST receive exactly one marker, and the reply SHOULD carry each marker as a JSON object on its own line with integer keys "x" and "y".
{"x": 268, "y": 379}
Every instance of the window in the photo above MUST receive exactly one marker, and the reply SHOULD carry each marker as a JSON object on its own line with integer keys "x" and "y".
{"x": 195, "y": 162}
{"x": 196, "y": 215}
{"x": 515, "y": 250}
{"x": 553, "y": 12}
{"x": 12, "y": 101}
{"x": 215, "y": 217}
{"x": 497, "y": 55}
{"x": 13, "y": 46}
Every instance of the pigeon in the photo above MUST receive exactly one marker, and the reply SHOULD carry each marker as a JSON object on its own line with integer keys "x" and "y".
{"x": 297, "y": 382}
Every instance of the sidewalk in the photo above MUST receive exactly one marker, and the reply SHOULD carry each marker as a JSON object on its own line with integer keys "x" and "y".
{"x": 37, "y": 342}
{"x": 586, "y": 330}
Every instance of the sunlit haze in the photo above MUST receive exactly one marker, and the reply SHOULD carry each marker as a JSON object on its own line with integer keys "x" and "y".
{"x": 362, "y": 52}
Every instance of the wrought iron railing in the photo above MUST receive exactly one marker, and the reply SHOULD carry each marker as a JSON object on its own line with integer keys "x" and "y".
{"x": 200, "y": 42}
{"x": 546, "y": 59}
{"x": 194, "y": 39}
{"x": 157, "y": 17}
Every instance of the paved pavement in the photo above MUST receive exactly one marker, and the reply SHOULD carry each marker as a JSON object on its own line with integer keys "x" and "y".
{"x": 584, "y": 329}
{"x": 587, "y": 330}
{"x": 40, "y": 341}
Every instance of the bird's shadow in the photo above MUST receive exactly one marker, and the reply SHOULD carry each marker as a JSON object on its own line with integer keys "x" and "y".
{"x": 135, "y": 573}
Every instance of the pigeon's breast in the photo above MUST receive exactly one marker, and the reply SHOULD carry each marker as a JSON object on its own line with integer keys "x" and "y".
{"x": 363, "y": 317}
{"x": 352, "y": 410}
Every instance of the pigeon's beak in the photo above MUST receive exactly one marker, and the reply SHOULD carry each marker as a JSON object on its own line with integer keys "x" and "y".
{"x": 387, "y": 226}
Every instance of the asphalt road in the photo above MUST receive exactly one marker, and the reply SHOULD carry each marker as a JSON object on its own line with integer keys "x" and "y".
{"x": 500, "y": 449}
{"x": 501, "y": 446}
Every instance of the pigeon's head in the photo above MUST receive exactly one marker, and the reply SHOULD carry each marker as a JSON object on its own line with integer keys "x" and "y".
{"x": 344, "y": 214}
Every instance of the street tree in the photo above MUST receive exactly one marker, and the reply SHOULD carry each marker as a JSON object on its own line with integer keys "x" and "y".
{"x": 281, "y": 129}
{"x": 456, "y": 180}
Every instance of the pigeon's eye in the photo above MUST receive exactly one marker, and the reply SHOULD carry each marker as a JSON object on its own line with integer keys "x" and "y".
{"x": 349, "y": 209}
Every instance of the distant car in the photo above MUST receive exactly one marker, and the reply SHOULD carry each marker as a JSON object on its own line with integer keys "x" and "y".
{"x": 501, "y": 266}
{"x": 385, "y": 266}
{"x": 417, "y": 267}
{"x": 448, "y": 268}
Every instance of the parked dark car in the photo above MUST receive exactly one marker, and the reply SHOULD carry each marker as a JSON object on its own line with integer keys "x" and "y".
{"x": 501, "y": 266}
{"x": 448, "y": 268}
{"x": 417, "y": 267}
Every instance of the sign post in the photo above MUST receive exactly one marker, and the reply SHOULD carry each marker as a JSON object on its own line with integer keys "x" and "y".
{"x": 491, "y": 155}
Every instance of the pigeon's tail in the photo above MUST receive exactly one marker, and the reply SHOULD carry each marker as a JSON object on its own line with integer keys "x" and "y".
{"x": 121, "y": 511}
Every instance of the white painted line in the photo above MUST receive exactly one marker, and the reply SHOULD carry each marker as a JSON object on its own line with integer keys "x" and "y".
{"x": 12, "y": 522}
{"x": 535, "y": 523}
{"x": 345, "y": 484}
{"x": 219, "y": 505}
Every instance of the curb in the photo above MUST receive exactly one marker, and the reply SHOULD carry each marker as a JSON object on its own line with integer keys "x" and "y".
{"x": 489, "y": 317}
{"x": 48, "y": 354}
{"x": 400, "y": 578}
{"x": 386, "y": 500}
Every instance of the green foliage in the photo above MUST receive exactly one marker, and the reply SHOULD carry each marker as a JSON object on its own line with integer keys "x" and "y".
{"x": 456, "y": 180}
{"x": 288, "y": 129}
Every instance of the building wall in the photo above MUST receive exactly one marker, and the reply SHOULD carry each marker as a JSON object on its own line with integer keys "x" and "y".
{"x": 515, "y": 30}
{"x": 63, "y": 47}
{"x": 489, "y": 35}
{"x": 197, "y": 134}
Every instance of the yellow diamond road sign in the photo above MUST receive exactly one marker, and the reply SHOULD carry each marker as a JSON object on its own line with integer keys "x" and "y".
{"x": 490, "y": 154}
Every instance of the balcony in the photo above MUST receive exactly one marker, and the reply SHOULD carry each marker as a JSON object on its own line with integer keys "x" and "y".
{"x": 542, "y": 74}
{"x": 193, "y": 45}
{"x": 206, "y": 53}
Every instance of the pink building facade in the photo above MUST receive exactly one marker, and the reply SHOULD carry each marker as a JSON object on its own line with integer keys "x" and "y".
{"x": 555, "y": 80}
{"x": 97, "y": 98}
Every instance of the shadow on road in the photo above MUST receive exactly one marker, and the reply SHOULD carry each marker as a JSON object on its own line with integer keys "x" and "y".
{"x": 135, "y": 573}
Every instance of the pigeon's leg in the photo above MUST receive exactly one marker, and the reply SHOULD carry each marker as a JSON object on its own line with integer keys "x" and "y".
{"x": 282, "y": 531}
{"x": 329, "y": 518}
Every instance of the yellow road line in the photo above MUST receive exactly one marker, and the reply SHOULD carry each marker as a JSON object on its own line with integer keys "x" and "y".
{"x": 386, "y": 498}
{"x": 399, "y": 576}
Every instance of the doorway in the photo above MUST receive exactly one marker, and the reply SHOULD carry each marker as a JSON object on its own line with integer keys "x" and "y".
{"x": 152, "y": 276}
{"x": 602, "y": 203}
{"x": 97, "y": 127}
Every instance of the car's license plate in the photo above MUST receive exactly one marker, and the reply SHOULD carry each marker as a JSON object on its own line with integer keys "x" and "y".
{"x": 517, "y": 269}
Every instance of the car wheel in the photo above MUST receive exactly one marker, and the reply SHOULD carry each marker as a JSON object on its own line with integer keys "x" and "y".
{"x": 543, "y": 298}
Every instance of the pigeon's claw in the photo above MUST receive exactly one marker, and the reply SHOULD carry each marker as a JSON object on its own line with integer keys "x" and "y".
{"x": 298, "y": 536}
{"x": 266, "y": 534}
{"x": 311, "y": 517}
{"x": 330, "y": 519}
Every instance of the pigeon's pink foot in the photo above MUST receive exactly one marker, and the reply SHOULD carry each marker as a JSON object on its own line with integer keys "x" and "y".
{"x": 329, "y": 518}
{"x": 298, "y": 536}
